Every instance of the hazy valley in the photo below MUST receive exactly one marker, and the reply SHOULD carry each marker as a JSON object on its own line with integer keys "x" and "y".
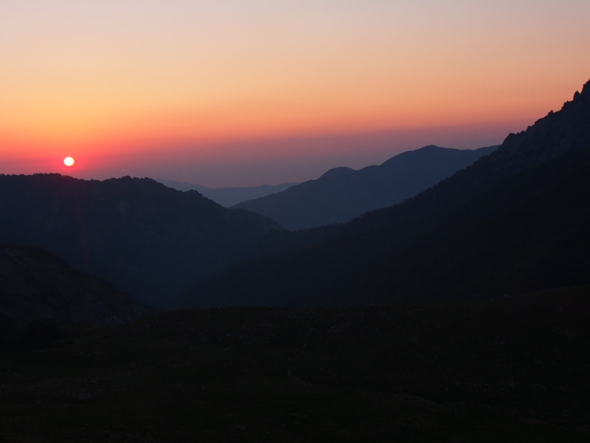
{"x": 228, "y": 196}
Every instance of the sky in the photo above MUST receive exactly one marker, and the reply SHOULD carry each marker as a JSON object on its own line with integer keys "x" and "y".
{"x": 250, "y": 92}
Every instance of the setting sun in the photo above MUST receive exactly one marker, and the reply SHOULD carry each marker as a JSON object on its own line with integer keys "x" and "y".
{"x": 69, "y": 161}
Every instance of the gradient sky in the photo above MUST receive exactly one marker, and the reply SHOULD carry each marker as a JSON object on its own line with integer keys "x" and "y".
{"x": 227, "y": 92}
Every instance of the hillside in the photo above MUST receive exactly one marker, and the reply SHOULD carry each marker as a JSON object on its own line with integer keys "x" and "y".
{"x": 342, "y": 194}
{"x": 516, "y": 220}
{"x": 510, "y": 370}
{"x": 147, "y": 239}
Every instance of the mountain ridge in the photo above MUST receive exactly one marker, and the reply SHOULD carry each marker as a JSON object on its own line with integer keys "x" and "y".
{"x": 342, "y": 194}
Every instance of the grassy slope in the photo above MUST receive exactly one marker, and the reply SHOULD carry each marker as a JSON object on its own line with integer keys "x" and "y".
{"x": 507, "y": 370}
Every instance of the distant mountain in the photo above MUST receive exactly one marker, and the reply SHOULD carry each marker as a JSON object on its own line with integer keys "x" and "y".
{"x": 342, "y": 194}
{"x": 517, "y": 220}
{"x": 37, "y": 289}
{"x": 228, "y": 196}
{"x": 149, "y": 240}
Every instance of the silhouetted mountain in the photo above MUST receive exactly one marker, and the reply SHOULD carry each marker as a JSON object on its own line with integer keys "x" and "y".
{"x": 39, "y": 293}
{"x": 342, "y": 194}
{"x": 517, "y": 220}
{"x": 146, "y": 238}
{"x": 228, "y": 196}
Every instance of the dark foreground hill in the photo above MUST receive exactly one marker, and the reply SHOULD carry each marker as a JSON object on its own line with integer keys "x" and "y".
{"x": 342, "y": 194}
{"x": 517, "y": 220}
{"x": 510, "y": 370}
{"x": 144, "y": 237}
{"x": 39, "y": 294}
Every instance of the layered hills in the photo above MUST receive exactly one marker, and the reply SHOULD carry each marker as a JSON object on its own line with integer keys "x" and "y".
{"x": 342, "y": 194}
{"x": 516, "y": 220}
{"x": 147, "y": 239}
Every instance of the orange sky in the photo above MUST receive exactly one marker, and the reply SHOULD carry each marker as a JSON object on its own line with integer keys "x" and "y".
{"x": 242, "y": 93}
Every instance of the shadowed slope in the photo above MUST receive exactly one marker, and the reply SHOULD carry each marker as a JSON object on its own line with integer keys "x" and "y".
{"x": 39, "y": 293}
{"x": 144, "y": 237}
{"x": 514, "y": 221}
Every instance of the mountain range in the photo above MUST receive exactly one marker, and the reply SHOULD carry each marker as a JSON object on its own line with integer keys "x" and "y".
{"x": 148, "y": 240}
{"x": 515, "y": 221}
{"x": 342, "y": 194}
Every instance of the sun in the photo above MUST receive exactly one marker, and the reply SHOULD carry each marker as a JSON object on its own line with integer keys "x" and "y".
{"x": 69, "y": 161}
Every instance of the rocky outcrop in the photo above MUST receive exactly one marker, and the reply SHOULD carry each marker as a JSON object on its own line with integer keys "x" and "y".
{"x": 556, "y": 134}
